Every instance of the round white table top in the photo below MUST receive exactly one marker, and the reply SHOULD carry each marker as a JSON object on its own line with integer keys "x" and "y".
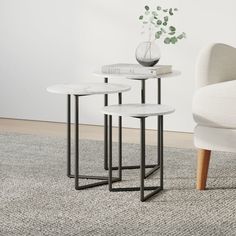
{"x": 138, "y": 110}
{"x": 88, "y": 88}
{"x": 135, "y": 77}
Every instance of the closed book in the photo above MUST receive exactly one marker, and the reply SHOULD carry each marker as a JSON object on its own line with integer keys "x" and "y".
{"x": 136, "y": 69}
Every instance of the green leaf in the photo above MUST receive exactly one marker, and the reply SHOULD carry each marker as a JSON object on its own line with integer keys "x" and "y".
{"x": 158, "y": 34}
{"x": 172, "y": 33}
{"x": 173, "y": 40}
{"x": 155, "y": 18}
{"x": 180, "y": 36}
{"x": 158, "y": 8}
{"x": 176, "y": 9}
{"x": 166, "y": 18}
{"x": 159, "y": 22}
{"x": 141, "y": 17}
{"x": 165, "y": 23}
{"x": 171, "y": 11}
{"x": 167, "y": 40}
{"x": 172, "y": 28}
{"x": 147, "y": 8}
{"x": 165, "y": 10}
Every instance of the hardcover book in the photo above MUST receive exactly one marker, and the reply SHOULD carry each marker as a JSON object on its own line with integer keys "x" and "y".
{"x": 136, "y": 69}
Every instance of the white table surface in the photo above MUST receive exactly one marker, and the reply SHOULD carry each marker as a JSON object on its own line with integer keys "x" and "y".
{"x": 88, "y": 88}
{"x": 98, "y": 73}
{"x": 138, "y": 110}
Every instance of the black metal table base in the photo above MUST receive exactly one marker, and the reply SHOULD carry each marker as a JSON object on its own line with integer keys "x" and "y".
{"x": 91, "y": 177}
{"x": 96, "y": 184}
{"x": 142, "y": 188}
{"x": 152, "y": 171}
{"x": 147, "y": 174}
{"x": 154, "y": 167}
{"x": 103, "y": 180}
{"x": 133, "y": 167}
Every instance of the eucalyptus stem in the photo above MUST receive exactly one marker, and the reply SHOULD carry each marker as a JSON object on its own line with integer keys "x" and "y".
{"x": 159, "y": 20}
{"x": 148, "y": 47}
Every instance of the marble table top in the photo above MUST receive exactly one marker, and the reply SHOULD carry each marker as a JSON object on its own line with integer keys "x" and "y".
{"x": 135, "y": 77}
{"x": 88, "y": 88}
{"x": 138, "y": 110}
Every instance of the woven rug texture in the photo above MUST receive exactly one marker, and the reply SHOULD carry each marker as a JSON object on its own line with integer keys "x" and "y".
{"x": 36, "y": 197}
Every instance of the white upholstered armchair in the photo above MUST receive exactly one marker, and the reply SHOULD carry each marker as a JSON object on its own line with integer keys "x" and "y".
{"x": 214, "y": 106}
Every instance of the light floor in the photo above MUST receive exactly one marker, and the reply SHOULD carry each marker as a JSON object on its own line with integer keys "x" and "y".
{"x": 171, "y": 139}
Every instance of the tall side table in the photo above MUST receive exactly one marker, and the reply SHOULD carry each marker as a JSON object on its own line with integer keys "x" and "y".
{"x": 80, "y": 90}
{"x": 142, "y": 79}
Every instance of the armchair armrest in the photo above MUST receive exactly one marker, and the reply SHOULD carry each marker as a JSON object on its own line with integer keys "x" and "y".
{"x": 216, "y": 63}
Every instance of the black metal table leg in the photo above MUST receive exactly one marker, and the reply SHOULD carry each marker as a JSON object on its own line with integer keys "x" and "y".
{"x": 110, "y": 158}
{"x": 110, "y": 155}
{"x": 106, "y": 130}
{"x": 158, "y": 118}
{"x": 142, "y": 157}
{"x": 143, "y": 92}
{"x": 161, "y": 152}
{"x": 120, "y": 140}
{"x": 68, "y": 136}
{"x": 76, "y": 142}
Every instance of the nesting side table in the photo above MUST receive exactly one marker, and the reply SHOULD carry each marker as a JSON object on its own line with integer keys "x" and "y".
{"x": 80, "y": 90}
{"x": 142, "y": 78}
{"x": 140, "y": 111}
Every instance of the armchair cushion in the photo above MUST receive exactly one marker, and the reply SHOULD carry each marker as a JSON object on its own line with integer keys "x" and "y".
{"x": 215, "y": 105}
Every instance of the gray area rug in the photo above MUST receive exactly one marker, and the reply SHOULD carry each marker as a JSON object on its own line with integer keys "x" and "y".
{"x": 38, "y": 199}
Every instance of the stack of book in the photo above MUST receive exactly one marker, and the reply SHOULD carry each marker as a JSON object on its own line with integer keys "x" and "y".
{"x": 136, "y": 69}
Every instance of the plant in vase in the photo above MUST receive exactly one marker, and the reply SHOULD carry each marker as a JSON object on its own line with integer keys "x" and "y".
{"x": 157, "y": 23}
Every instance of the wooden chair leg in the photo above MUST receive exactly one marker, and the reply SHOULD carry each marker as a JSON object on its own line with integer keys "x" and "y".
{"x": 202, "y": 168}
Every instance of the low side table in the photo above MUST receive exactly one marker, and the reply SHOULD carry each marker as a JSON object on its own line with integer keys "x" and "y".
{"x": 140, "y": 111}
{"x": 142, "y": 79}
{"x": 80, "y": 90}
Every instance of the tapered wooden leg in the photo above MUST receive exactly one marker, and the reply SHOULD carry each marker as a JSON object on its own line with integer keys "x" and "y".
{"x": 202, "y": 168}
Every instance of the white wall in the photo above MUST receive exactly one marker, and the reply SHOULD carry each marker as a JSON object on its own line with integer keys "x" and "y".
{"x": 43, "y": 42}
